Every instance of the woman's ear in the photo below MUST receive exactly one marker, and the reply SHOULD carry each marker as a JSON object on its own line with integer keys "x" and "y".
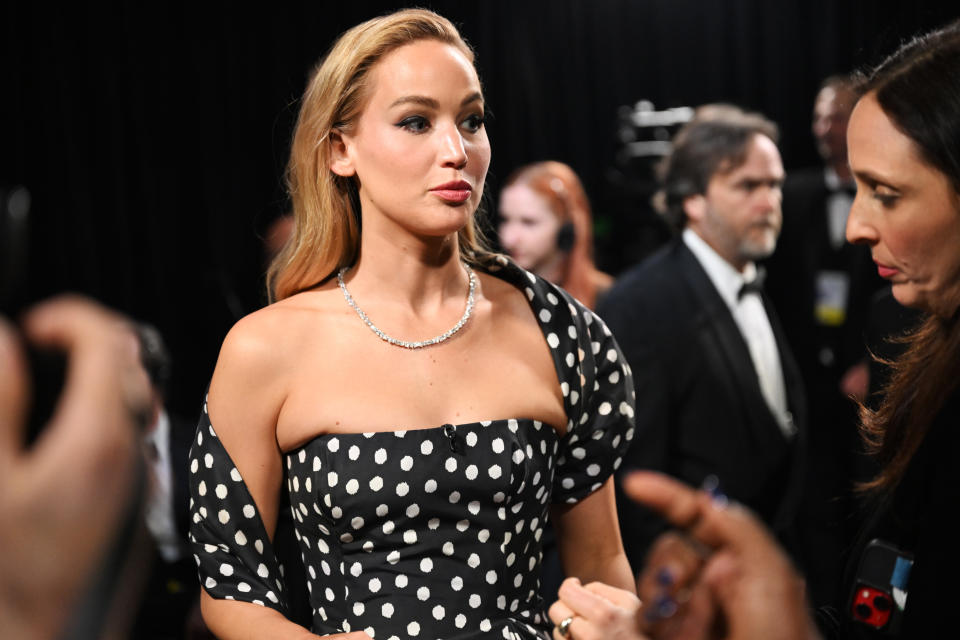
{"x": 341, "y": 160}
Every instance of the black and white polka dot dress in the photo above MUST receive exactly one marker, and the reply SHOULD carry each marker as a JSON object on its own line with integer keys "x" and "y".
{"x": 426, "y": 533}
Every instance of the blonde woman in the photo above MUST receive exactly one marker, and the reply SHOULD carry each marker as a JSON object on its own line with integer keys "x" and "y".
{"x": 425, "y": 405}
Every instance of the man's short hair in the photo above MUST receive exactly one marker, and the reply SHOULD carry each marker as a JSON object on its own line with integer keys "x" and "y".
{"x": 714, "y": 141}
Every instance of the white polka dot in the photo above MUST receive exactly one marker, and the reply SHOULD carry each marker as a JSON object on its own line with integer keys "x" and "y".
{"x": 243, "y": 587}
{"x": 457, "y": 583}
{"x": 570, "y": 360}
{"x": 553, "y": 340}
{"x": 210, "y": 583}
{"x": 410, "y": 536}
{"x": 263, "y": 572}
{"x": 387, "y": 610}
{"x": 447, "y": 548}
{"x": 471, "y": 439}
{"x": 545, "y": 315}
{"x": 426, "y": 447}
{"x": 258, "y": 545}
{"x": 223, "y": 516}
{"x": 413, "y": 510}
{"x": 380, "y": 456}
{"x": 483, "y": 535}
{"x": 333, "y": 445}
{"x": 426, "y": 565}
{"x": 406, "y": 463}
{"x": 430, "y": 486}
{"x": 376, "y": 483}
{"x": 374, "y": 585}
{"x": 593, "y": 470}
{"x": 462, "y": 525}
{"x": 402, "y": 489}
{"x": 208, "y": 461}
{"x": 226, "y": 569}
{"x": 578, "y": 453}
{"x": 393, "y": 557}
{"x": 565, "y": 388}
{"x": 240, "y": 538}
{"x": 332, "y": 479}
{"x": 491, "y": 577}
{"x": 401, "y": 581}
{"x": 354, "y": 452}
{"x": 433, "y": 523}
{"x": 612, "y": 355}
{"x": 474, "y": 600}
{"x": 423, "y": 594}
{"x": 471, "y": 472}
{"x": 413, "y": 629}
{"x": 474, "y": 507}
{"x": 473, "y": 561}
{"x": 357, "y": 522}
{"x": 388, "y": 527}
{"x": 614, "y": 377}
{"x": 485, "y": 625}
{"x": 450, "y": 465}
{"x": 194, "y": 465}
{"x": 495, "y": 471}
{"x": 202, "y": 488}
{"x": 460, "y": 621}
{"x": 438, "y": 612}
{"x": 574, "y": 397}
{"x": 454, "y": 497}
{"x": 352, "y": 486}
{"x": 221, "y": 491}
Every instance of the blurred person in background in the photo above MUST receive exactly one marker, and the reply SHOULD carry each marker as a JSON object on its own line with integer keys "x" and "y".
{"x": 547, "y": 228}
{"x": 718, "y": 392}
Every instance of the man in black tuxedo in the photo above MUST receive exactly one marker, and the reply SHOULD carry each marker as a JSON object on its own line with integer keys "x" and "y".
{"x": 718, "y": 393}
{"x": 821, "y": 287}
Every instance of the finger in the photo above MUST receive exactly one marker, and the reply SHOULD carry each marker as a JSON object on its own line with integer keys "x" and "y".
{"x": 14, "y": 394}
{"x": 583, "y": 602}
{"x": 558, "y": 612}
{"x": 620, "y": 597}
{"x": 103, "y": 373}
{"x": 675, "y": 501}
{"x": 714, "y": 523}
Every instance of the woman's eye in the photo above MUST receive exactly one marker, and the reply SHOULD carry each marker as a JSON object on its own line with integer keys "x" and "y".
{"x": 414, "y": 124}
{"x": 885, "y": 197}
{"x": 473, "y": 123}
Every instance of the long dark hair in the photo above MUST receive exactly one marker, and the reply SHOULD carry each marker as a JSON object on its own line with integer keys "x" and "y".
{"x": 918, "y": 88}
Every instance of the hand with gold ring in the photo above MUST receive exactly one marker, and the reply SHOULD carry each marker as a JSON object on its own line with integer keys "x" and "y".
{"x": 595, "y": 612}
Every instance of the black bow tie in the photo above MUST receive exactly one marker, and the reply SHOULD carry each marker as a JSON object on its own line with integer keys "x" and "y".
{"x": 754, "y": 286}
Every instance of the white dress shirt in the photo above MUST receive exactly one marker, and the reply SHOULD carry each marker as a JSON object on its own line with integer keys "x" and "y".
{"x": 751, "y": 318}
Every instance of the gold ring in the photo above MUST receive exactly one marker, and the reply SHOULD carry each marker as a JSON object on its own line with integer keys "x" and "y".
{"x": 564, "y": 627}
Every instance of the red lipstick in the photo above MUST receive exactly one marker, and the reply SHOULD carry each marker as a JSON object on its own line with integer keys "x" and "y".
{"x": 456, "y": 191}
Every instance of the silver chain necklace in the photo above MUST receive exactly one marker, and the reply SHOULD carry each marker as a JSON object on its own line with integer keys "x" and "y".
{"x": 406, "y": 344}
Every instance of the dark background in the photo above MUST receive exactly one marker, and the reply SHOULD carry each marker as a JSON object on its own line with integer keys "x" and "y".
{"x": 153, "y": 138}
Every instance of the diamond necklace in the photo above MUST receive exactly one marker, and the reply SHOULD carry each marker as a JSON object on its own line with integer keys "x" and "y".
{"x": 406, "y": 344}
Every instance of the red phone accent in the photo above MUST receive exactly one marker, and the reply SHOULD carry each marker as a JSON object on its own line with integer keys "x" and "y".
{"x": 872, "y": 606}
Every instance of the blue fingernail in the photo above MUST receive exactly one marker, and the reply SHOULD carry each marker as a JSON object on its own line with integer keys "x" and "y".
{"x": 664, "y": 577}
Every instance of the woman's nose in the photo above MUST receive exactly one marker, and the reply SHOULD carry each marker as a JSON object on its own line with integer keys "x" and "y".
{"x": 859, "y": 228}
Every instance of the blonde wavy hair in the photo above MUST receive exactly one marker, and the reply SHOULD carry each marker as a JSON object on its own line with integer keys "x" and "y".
{"x": 326, "y": 207}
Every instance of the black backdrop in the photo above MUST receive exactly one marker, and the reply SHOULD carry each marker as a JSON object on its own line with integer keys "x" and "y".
{"x": 153, "y": 137}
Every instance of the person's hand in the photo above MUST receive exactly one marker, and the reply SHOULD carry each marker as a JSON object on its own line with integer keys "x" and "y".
{"x": 676, "y": 604}
{"x": 756, "y": 589}
{"x": 595, "y": 612}
{"x": 62, "y": 499}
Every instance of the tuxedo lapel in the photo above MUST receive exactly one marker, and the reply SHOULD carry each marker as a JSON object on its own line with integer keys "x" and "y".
{"x": 717, "y": 325}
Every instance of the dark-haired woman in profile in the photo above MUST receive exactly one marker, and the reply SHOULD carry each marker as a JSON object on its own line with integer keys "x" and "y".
{"x": 902, "y": 578}
{"x": 425, "y": 405}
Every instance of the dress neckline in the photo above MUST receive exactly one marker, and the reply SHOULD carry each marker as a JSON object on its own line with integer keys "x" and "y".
{"x": 426, "y": 431}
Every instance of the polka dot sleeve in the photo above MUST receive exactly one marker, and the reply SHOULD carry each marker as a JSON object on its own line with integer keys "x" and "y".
{"x": 234, "y": 556}
{"x": 596, "y": 383}
{"x": 600, "y": 408}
